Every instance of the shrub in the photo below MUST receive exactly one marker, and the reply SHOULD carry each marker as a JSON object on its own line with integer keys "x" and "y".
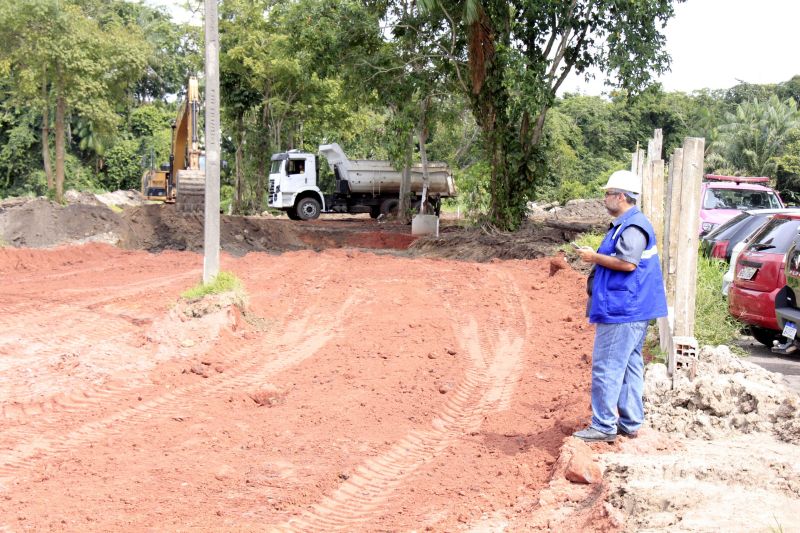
{"x": 223, "y": 282}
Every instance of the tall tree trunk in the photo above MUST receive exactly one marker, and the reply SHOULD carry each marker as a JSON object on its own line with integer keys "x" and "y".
{"x": 48, "y": 167}
{"x": 422, "y": 134}
{"x": 60, "y": 141}
{"x": 260, "y": 181}
{"x": 405, "y": 180}
{"x": 237, "y": 197}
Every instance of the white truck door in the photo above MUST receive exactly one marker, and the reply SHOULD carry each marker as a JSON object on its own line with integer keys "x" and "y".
{"x": 296, "y": 174}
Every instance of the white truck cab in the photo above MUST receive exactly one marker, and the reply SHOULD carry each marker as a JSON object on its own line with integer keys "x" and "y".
{"x": 293, "y": 185}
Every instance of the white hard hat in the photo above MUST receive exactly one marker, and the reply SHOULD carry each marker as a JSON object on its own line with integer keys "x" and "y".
{"x": 625, "y": 180}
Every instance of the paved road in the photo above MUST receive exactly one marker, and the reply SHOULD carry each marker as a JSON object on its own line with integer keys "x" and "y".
{"x": 788, "y": 365}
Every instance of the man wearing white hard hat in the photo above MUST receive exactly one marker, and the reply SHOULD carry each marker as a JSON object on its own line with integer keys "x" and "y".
{"x": 626, "y": 292}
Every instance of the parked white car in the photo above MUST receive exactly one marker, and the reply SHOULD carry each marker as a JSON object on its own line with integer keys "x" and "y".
{"x": 727, "y": 278}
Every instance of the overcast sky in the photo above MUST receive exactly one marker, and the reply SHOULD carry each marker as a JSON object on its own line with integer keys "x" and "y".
{"x": 713, "y": 44}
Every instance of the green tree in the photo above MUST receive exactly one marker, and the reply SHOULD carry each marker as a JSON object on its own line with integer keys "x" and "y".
{"x": 518, "y": 54}
{"x": 756, "y": 134}
{"x": 56, "y": 54}
{"x": 283, "y": 81}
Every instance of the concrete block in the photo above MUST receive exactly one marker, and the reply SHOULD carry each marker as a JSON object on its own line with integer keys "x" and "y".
{"x": 425, "y": 225}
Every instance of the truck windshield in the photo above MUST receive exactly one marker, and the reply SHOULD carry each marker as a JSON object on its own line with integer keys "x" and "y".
{"x": 276, "y": 166}
{"x": 739, "y": 199}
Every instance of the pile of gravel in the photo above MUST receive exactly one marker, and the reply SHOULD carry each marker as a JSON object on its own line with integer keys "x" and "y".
{"x": 728, "y": 396}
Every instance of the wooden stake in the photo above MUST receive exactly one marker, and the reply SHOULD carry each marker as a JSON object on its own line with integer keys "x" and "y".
{"x": 672, "y": 223}
{"x": 688, "y": 236}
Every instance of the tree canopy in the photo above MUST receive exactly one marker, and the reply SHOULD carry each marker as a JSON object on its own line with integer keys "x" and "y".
{"x": 89, "y": 88}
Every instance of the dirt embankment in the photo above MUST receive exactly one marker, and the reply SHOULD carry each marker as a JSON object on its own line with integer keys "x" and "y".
{"x": 133, "y": 225}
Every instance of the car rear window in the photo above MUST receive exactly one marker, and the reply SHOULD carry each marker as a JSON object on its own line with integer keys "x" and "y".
{"x": 775, "y": 236}
{"x": 722, "y": 228}
{"x": 747, "y": 227}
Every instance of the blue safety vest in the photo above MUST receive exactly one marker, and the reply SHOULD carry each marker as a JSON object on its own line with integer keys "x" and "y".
{"x": 619, "y": 297}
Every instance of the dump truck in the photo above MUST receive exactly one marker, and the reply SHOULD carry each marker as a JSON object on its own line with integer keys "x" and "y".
{"x": 360, "y": 185}
{"x": 183, "y": 180}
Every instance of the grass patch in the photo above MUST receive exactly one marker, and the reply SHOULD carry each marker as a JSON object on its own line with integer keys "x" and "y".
{"x": 115, "y": 208}
{"x": 591, "y": 239}
{"x": 223, "y": 282}
{"x": 713, "y": 324}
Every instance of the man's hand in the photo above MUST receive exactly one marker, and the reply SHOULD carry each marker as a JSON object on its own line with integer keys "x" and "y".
{"x": 586, "y": 254}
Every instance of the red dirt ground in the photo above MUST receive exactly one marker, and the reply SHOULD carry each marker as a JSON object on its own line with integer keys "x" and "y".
{"x": 358, "y": 392}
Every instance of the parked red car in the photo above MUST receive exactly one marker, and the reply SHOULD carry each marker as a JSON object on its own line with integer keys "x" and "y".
{"x": 759, "y": 276}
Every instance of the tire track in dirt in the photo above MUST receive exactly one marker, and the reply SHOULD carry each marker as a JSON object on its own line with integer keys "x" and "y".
{"x": 69, "y": 299}
{"x": 495, "y": 356}
{"x": 304, "y": 336}
{"x": 97, "y": 393}
{"x": 127, "y": 303}
{"x": 51, "y": 353}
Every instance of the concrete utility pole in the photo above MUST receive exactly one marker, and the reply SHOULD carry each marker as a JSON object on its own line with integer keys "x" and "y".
{"x": 211, "y": 227}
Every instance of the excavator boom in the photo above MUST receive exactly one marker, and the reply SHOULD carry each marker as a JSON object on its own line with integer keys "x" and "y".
{"x": 183, "y": 182}
{"x": 187, "y": 178}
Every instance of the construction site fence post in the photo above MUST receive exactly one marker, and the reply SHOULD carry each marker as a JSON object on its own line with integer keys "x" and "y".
{"x": 688, "y": 236}
{"x": 672, "y": 224}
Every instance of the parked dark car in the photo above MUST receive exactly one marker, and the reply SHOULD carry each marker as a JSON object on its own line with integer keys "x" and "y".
{"x": 760, "y": 275}
{"x": 719, "y": 243}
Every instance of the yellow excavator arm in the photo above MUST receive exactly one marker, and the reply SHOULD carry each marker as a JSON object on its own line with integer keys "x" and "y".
{"x": 187, "y": 178}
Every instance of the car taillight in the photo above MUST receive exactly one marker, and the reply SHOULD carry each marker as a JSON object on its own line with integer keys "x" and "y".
{"x": 720, "y": 250}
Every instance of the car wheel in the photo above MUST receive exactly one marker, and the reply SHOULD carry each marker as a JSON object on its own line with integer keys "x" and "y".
{"x": 764, "y": 336}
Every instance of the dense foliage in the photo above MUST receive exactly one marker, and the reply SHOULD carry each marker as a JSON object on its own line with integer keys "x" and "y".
{"x": 89, "y": 88}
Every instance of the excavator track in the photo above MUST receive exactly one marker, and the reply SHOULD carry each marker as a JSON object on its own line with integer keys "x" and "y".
{"x": 191, "y": 194}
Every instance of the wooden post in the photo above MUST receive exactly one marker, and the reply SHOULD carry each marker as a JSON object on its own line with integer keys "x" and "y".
{"x": 647, "y": 191}
{"x": 674, "y": 188}
{"x": 688, "y": 236}
{"x": 657, "y": 201}
{"x": 656, "y": 145}
{"x": 635, "y": 159}
{"x": 641, "y": 159}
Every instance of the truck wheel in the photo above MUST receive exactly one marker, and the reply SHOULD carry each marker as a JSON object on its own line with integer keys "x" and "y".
{"x": 389, "y": 207}
{"x": 308, "y": 209}
{"x": 292, "y": 214}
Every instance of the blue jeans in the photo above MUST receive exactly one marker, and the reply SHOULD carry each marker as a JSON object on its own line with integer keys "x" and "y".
{"x": 618, "y": 376}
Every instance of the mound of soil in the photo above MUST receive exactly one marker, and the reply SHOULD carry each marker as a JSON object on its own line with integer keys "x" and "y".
{"x": 724, "y": 455}
{"x": 729, "y": 397}
{"x": 592, "y": 211}
{"x": 532, "y": 241}
{"x": 39, "y": 223}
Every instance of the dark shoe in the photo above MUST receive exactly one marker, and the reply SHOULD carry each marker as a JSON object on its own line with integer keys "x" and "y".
{"x": 627, "y": 434}
{"x": 592, "y": 435}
